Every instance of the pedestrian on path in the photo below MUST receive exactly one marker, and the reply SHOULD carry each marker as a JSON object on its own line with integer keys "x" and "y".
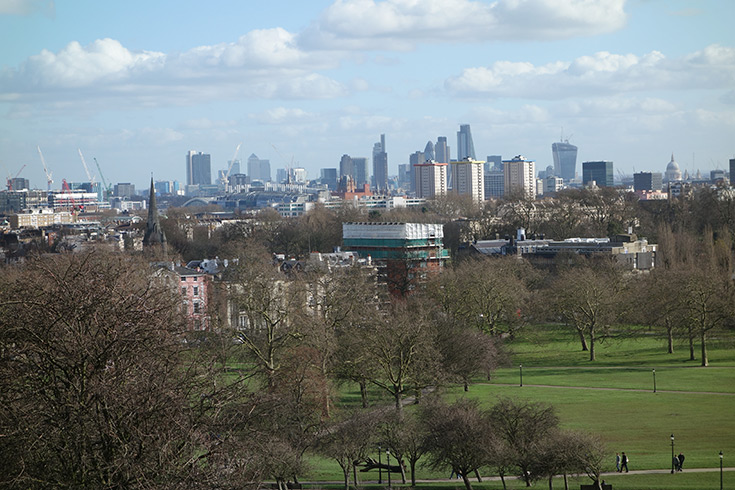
{"x": 681, "y": 461}
{"x": 624, "y": 463}
{"x": 617, "y": 462}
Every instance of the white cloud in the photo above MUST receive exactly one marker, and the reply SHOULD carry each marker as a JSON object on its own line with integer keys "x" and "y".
{"x": 401, "y": 24}
{"x": 77, "y": 66}
{"x": 599, "y": 74}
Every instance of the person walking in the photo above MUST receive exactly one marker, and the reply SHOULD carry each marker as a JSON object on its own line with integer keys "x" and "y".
{"x": 617, "y": 462}
{"x": 681, "y": 461}
{"x": 624, "y": 463}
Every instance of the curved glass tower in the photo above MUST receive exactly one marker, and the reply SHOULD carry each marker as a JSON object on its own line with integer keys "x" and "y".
{"x": 565, "y": 160}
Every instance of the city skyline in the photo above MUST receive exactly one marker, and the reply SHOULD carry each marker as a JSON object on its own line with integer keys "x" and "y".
{"x": 626, "y": 81}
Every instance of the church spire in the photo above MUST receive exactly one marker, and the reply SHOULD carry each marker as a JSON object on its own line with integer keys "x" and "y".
{"x": 154, "y": 236}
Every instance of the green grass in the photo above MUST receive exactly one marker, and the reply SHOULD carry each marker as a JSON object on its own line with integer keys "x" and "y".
{"x": 696, "y": 404}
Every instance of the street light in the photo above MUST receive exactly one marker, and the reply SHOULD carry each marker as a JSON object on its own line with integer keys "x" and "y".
{"x": 720, "y": 470}
{"x": 520, "y": 366}
{"x": 654, "y": 381}
{"x": 387, "y": 455}
{"x": 380, "y": 468}
{"x": 672, "y": 453}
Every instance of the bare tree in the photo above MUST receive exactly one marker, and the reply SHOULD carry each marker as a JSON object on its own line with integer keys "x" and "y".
{"x": 348, "y": 440}
{"x": 588, "y": 297}
{"x": 457, "y": 436}
{"x": 263, "y": 300}
{"x": 522, "y": 427}
{"x": 488, "y": 294}
{"x": 94, "y": 387}
{"x": 401, "y": 349}
{"x": 406, "y": 438}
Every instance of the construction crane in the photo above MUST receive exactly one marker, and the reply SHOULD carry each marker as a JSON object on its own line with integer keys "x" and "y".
{"x": 10, "y": 179}
{"x": 49, "y": 180}
{"x": 86, "y": 168}
{"x": 225, "y": 178}
{"x": 102, "y": 176}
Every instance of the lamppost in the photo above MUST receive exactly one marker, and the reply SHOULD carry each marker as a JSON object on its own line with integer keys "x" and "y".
{"x": 380, "y": 468}
{"x": 520, "y": 366}
{"x": 387, "y": 455}
{"x": 720, "y": 470}
{"x": 654, "y": 381}
{"x": 672, "y": 453}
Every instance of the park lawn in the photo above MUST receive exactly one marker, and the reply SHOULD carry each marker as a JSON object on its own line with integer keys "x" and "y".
{"x": 558, "y": 345}
{"x": 639, "y": 423}
{"x": 709, "y": 379}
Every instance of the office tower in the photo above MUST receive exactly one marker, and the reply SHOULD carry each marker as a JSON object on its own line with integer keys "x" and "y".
{"x": 233, "y": 166}
{"x": 673, "y": 174}
{"x": 404, "y": 176}
{"x": 732, "y": 171}
{"x": 198, "y": 168}
{"x": 380, "y": 166}
{"x": 431, "y": 179}
{"x": 441, "y": 150}
{"x": 465, "y": 146}
{"x": 494, "y": 163}
{"x": 346, "y": 167}
{"x": 415, "y": 158}
{"x": 124, "y": 189}
{"x": 520, "y": 176}
{"x": 600, "y": 172}
{"x": 647, "y": 181}
{"x": 281, "y": 175}
{"x": 259, "y": 169}
{"x": 328, "y": 176}
{"x": 468, "y": 177}
{"x": 429, "y": 151}
{"x": 362, "y": 173}
{"x": 565, "y": 160}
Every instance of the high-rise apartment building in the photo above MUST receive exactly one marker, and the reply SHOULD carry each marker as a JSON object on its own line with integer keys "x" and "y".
{"x": 495, "y": 183}
{"x": 442, "y": 150}
{"x": 565, "y": 160}
{"x": 198, "y": 168}
{"x": 520, "y": 176}
{"x": 600, "y": 172}
{"x": 732, "y": 171}
{"x": 465, "y": 145}
{"x": 431, "y": 179}
{"x": 468, "y": 177}
{"x": 380, "y": 166}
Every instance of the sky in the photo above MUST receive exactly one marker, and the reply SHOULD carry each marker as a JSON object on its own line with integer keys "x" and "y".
{"x": 137, "y": 84}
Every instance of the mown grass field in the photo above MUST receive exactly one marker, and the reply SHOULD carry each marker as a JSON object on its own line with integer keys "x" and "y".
{"x": 613, "y": 397}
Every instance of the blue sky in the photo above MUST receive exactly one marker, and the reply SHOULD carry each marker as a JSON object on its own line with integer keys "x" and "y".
{"x": 138, "y": 84}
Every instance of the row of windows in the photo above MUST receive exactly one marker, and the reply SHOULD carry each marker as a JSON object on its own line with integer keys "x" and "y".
{"x": 195, "y": 290}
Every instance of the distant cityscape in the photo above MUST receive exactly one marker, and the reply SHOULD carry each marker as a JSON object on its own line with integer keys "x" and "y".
{"x": 431, "y": 173}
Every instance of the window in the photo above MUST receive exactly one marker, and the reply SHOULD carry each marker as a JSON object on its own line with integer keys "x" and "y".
{"x": 196, "y": 291}
{"x": 183, "y": 279}
{"x": 183, "y": 290}
{"x": 196, "y": 307}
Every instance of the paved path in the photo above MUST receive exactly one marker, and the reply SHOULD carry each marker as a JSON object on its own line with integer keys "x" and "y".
{"x": 397, "y": 480}
{"x": 614, "y": 389}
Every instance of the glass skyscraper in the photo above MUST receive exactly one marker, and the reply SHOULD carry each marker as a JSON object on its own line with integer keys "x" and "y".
{"x": 565, "y": 160}
{"x": 465, "y": 145}
{"x": 600, "y": 172}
